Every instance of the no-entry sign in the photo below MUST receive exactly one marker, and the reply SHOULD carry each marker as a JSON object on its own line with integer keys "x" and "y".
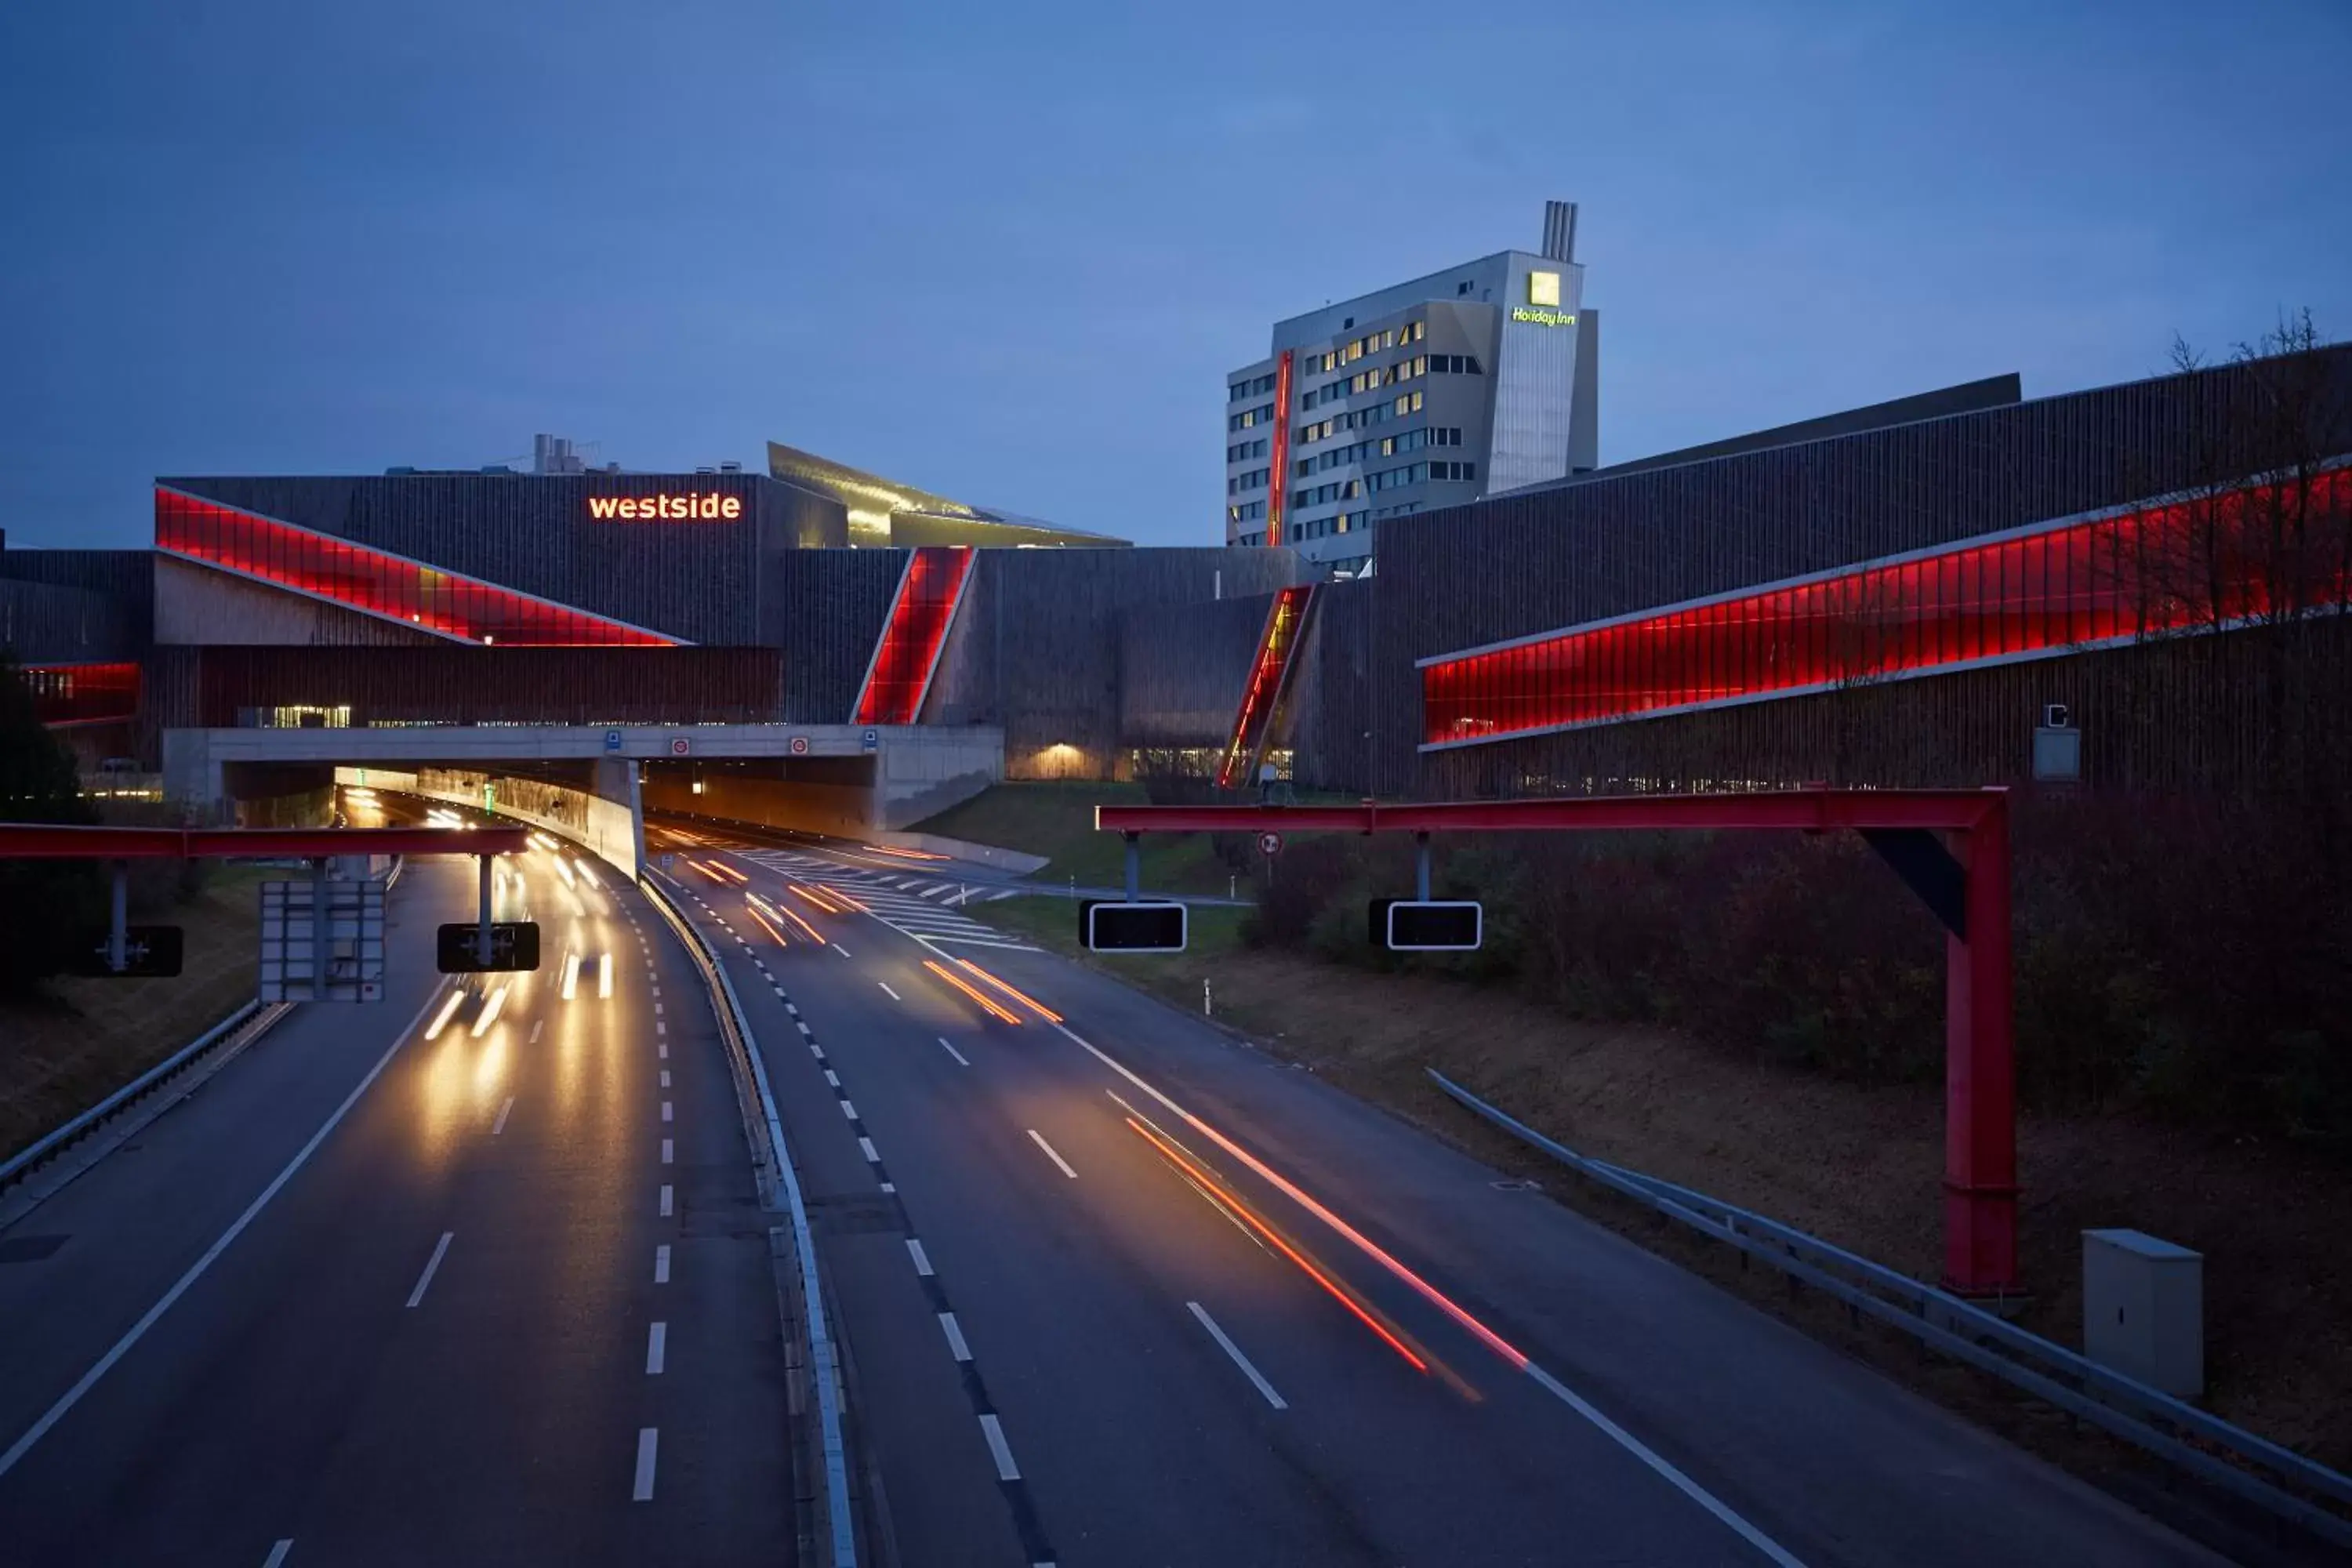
{"x": 1269, "y": 843}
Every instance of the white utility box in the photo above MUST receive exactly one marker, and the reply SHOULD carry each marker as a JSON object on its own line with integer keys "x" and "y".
{"x": 2144, "y": 1309}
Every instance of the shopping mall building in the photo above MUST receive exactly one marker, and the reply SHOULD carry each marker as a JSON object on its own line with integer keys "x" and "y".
{"x": 1957, "y": 588}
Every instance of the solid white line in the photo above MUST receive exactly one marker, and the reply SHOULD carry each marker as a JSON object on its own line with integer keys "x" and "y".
{"x": 922, "y": 1258}
{"x": 656, "y": 1349}
{"x": 887, "y": 991}
{"x": 500, "y": 1124}
{"x": 277, "y": 1553}
{"x": 648, "y": 1439}
{"x": 956, "y": 1347}
{"x": 668, "y": 1200}
{"x": 1006, "y": 1470}
{"x": 976, "y": 942}
{"x": 121, "y": 1347}
{"x": 1240, "y": 1360}
{"x": 865, "y": 1147}
{"x": 668, "y": 1152}
{"x": 952, "y": 1051}
{"x": 849, "y": 1111}
{"x": 661, "y": 1264}
{"x": 664, "y": 1077}
{"x": 841, "y": 949}
{"x": 431, "y": 1264}
{"x": 1051, "y": 1155}
{"x": 665, "y": 1111}
{"x": 1617, "y": 1434}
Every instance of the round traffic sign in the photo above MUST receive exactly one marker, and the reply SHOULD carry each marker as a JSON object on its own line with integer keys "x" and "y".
{"x": 680, "y": 745}
{"x": 1270, "y": 842}
{"x": 800, "y": 745}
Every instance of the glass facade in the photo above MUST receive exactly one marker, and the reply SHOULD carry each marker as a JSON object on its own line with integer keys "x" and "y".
{"x": 912, "y": 638}
{"x": 378, "y": 583}
{"x": 68, "y": 694}
{"x": 2206, "y": 565}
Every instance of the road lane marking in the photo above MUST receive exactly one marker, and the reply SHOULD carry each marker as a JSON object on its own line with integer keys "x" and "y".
{"x": 137, "y": 1330}
{"x": 889, "y": 1187}
{"x": 956, "y": 1347}
{"x": 668, "y": 1200}
{"x": 1256, "y": 1378}
{"x": 648, "y": 1440}
{"x": 849, "y": 1111}
{"x": 887, "y": 991}
{"x": 277, "y": 1553}
{"x": 1516, "y": 1358}
{"x": 660, "y": 1027}
{"x": 665, "y": 1111}
{"x": 661, "y": 1264}
{"x": 817, "y": 1050}
{"x": 491, "y": 1011}
{"x": 803, "y": 1027}
{"x": 656, "y": 1349}
{"x": 664, "y": 1077}
{"x": 536, "y": 1026}
{"x": 777, "y": 989}
{"x": 953, "y": 1052}
{"x": 831, "y": 1079}
{"x": 657, "y": 1009}
{"x": 500, "y": 1124}
{"x": 1051, "y": 1155}
{"x": 657, "y": 993}
{"x": 841, "y": 949}
{"x": 922, "y": 1258}
{"x": 668, "y": 1151}
{"x": 662, "y": 1051}
{"x": 432, "y": 1265}
{"x": 991, "y": 1428}
{"x": 865, "y": 1147}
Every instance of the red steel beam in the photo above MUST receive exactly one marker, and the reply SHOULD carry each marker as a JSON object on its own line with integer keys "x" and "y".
{"x": 1804, "y": 809}
{"x": 1979, "y": 1062}
{"x": 51, "y": 841}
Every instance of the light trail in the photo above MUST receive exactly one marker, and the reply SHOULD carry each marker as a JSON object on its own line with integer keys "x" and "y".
{"x": 753, "y": 910}
{"x": 1018, "y": 995}
{"x": 490, "y": 1013}
{"x": 441, "y": 1020}
{"x": 944, "y": 972}
{"x": 603, "y": 976}
{"x": 819, "y": 899}
{"x": 570, "y": 973}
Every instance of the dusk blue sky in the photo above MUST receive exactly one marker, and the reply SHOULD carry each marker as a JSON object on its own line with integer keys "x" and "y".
{"x": 1008, "y": 252}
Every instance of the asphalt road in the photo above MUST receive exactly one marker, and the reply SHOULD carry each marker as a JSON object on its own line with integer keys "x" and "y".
{"x": 1119, "y": 1290}
{"x": 377, "y": 1293}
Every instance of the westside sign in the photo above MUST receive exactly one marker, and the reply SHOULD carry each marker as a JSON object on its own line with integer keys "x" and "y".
{"x": 712, "y": 506}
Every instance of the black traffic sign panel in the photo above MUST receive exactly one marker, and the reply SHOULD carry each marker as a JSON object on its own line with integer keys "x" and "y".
{"x": 514, "y": 945}
{"x": 1407, "y": 925}
{"x": 1114, "y": 925}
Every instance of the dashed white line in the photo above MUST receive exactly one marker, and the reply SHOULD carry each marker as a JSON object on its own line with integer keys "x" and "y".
{"x": 865, "y": 1147}
{"x": 660, "y": 1027}
{"x": 669, "y": 1152}
{"x": 777, "y": 989}
{"x": 1064, "y": 1165}
{"x": 849, "y": 1111}
{"x": 500, "y": 1124}
{"x": 432, "y": 1264}
{"x": 889, "y": 1187}
{"x": 887, "y": 991}
{"x": 656, "y": 1349}
{"x": 956, "y": 1347}
{"x": 831, "y": 1079}
{"x": 953, "y": 1052}
{"x": 922, "y": 1258}
{"x": 657, "y": 1009}
{"x": 277, "y": 1553}
{"x": 841, "y": 949}
{"x": 648, "y": 1440}
{"x": 666, "y": 1108}
{"x": 664, "y": 1077}
{"x": 668, "y": 1200}
{"x": 817, "y": 1050}
{"x": 657, "y": 993}
{"x": 1256, "y": 1378}
{"x": 662, "y": 1051}
{"x": 803, "y": 1029}
{"x": 661, "y": 1264}
{"x": 991, "y": 1428}
{"x": 536, "y": 1026}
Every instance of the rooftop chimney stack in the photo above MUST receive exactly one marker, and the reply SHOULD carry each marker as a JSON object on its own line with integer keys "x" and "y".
{"x": 1559, "y": 231}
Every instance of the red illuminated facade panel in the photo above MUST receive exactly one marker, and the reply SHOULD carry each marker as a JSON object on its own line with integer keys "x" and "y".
{"x": 2206, "y": 565}
{"x": 377, "y": 583}
{"x": 909, "y": 652}
{"x": 1279, "y": 491}
{"x": 1267, "y": 672}
{"x": 67, "y": 694}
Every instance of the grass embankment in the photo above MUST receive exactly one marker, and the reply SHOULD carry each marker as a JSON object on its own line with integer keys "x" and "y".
{"x": 76, "y": 1041}
{"x": 1859, "y": 1166}
{"x": 1056, "y": 820}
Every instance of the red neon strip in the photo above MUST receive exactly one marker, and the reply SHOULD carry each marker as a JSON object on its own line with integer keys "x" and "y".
{"x": 377, "y": 583}
{"x": 1274, "y": 647}
{"x": 65, "y": 695}
{"x": 909, "y": 653}
{"x": 1280, "y": 482}
{"x": 2183, "y": 567}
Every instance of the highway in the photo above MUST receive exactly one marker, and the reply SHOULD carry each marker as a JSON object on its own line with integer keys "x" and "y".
{"x": 1117, "y": 1290}
{"x": 416, "y": 1282}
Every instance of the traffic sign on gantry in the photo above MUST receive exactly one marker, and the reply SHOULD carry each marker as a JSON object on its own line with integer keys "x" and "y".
{"x": 1112, "y": 926}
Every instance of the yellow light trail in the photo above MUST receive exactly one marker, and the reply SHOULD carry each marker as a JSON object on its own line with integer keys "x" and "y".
{"x": 949, "y": 976}
{"x": 819, "y": 899}
{"x": 604, "y": 975}
{"x": 563, "y": 870}
{"x": 442, "y": 1019}
{"x": 490, "y": 1013}
{"x": 1021, "y": 996}
{"x": 753, "y": 910}
{"x": 570, "y": 973}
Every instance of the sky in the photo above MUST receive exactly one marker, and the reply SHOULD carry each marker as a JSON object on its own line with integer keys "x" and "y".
{"x": 1008, "y": 252}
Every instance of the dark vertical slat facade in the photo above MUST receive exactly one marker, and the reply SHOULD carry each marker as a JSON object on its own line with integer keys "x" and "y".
{"x": 833, "y": 606}
{"x": 1182, "y": 670}
{"x": 221, "y": 687}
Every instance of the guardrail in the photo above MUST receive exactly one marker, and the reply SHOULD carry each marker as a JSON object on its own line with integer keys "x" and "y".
{"x": 18, "y": 1165}
{"x": 2229, "y": 1456}
{"x": 776, "y": 1165}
